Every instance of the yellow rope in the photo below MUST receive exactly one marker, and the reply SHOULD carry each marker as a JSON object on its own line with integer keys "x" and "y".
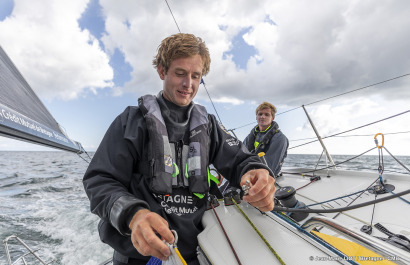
{"x": 259, "y": 233}
{"x": 180, "y": 256}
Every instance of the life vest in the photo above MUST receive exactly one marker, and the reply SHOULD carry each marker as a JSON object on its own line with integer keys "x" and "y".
{"x": 163, "y": 170}
{"x": 257, "y": 147}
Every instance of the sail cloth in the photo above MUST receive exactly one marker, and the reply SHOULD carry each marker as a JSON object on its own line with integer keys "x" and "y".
{"x": 22, "y": 114}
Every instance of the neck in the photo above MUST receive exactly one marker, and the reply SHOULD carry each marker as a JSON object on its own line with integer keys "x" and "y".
{"x": 263, "y": 128}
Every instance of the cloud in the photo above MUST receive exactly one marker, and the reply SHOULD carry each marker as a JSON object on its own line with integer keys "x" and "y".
{"x": 55, "y": 56}
{"x": 305, "y": 50}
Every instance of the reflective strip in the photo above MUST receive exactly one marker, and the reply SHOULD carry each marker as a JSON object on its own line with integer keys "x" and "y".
{"x": 256, "y": 144}
{"x": 176, "y": 171}
{"x": 194, "y": 164}
{"x": 168, "y": 160}
{"x": 211, "y": 177}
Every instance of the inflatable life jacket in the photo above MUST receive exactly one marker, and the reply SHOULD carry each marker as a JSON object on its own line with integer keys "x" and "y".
{"x": 257, "y": 147}
{"x": 162, "y": 169}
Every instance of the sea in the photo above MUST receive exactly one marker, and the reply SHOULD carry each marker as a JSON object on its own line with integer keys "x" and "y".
{"x": 43, "y": 203}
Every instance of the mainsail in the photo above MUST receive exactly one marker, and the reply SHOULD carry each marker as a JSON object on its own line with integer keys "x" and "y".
{"x": 22, "y": 114}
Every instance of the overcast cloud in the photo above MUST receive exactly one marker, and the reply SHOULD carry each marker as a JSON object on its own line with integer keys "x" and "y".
{"x": 304, "y": 49}
{"x": 287, "y": 52}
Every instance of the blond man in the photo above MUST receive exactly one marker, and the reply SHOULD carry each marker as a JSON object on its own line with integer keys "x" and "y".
{"x": 266, "y": 137}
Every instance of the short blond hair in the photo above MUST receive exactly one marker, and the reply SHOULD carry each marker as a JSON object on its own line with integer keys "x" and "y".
{"x": 182, "y": 45}
{"x": 266, "y": 105}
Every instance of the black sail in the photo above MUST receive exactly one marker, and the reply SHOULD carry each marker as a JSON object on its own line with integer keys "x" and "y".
{"x": 22, "y": 114}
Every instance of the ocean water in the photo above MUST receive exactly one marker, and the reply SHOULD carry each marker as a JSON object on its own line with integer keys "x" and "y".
{"x": 42, "y": 201}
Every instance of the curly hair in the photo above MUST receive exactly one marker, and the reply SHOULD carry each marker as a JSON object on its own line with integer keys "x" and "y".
{"x": 266, "y": 105}
{"x": 182, "y": 45}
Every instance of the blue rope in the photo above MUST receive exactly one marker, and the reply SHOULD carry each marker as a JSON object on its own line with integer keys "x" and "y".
{"x": 154, "y": 261}
{"x": 322, "y": 242}
{"x": 334, "y": 199}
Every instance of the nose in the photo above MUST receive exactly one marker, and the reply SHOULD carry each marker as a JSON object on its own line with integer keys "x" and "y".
{"x": 187, "y": 82}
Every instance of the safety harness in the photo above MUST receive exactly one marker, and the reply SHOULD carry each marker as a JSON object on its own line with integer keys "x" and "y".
{"x": 162, "y": 167}
{"x": 257, "y": 147}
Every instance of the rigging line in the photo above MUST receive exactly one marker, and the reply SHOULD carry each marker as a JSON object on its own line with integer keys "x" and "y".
{"x": 226, "y": 235}
{"x": 203, "y": 82}
{"x": 357, "y": 89}
{"x": 404, "y": 112}
{"x": 385, "y": 81}
{"x": 173, "y": 16}
{"x": 354, "y": 157}
{"x": 351, "y": 135}
{"x": 277, "y": 114}
{"x": 396, "y": 159}
{"x": 354, "y": 135}
{"x": 333, "y": 135}
{"x": 329, "y": 206}
{"x": 259, "y": 233}
{"x": 342, "y": 209}
{"x": 337, "y": 198}
{"x": 358, "y": 196}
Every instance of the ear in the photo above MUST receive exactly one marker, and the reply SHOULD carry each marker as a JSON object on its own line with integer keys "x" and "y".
{"x": 161, "y": 71}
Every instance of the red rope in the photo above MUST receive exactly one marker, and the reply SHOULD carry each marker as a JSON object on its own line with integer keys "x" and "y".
{"x": 226, "y": 235}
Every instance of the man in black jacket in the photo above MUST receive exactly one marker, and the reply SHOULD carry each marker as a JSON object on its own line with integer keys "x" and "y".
{"x": 150, "y": 173}
{"x": 266, "y": 137}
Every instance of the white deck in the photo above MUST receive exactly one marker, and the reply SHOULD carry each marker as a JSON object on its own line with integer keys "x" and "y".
{"x": 293, "y": 246}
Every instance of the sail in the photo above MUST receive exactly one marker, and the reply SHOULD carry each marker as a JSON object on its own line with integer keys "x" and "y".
{"x": 22, "y": 114}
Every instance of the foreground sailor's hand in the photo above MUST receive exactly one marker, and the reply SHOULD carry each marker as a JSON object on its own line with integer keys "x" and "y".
{"x": 145, "y": 225}
{"x": 262, "y": 191}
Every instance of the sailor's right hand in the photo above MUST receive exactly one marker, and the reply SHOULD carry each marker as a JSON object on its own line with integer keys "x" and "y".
{"x": 145, "y": 225}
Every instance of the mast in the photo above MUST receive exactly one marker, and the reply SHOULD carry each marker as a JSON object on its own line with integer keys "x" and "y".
{"x": 319, "y": 138}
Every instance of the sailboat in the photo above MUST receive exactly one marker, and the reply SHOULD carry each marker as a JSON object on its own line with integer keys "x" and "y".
{"x": 322, "y": 216}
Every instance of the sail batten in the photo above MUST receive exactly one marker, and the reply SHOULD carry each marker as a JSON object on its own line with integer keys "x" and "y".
{"x": 22, "y": 114}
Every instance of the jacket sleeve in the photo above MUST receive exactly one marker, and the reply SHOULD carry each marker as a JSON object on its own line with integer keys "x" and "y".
{"x": 277, "y": 152}
{"x": 230, "y": 156}
{"x": 109, "y": 174}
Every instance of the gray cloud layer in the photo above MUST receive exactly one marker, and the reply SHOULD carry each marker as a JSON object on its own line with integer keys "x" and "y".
{"x": 313, "y": 49}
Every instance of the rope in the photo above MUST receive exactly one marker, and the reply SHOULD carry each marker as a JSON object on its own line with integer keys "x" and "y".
{"x": 259, "y": 233}
{"x": 313, "y": 180}
{"x": 396, "y": 159}
{"x": 334, "y": 199}
{"x": 404, "y": 112}
{"x": 303, "y": 173}
{"x": 352, "y": 135}
{"x": 338, "y": 95}
{"x": 173, "y": 16}
{"x": 203, "y": 82}
{"x": 336, "y": 210}
{"x": 226, "y": 235}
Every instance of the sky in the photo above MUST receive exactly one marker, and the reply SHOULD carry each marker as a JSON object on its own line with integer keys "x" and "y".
{"x": 88, "y": 60}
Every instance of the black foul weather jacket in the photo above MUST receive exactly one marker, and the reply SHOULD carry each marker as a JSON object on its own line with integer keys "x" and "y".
{"x": 117, "y": 187}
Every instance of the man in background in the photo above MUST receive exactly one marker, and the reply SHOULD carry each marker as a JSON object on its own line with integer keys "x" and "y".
{"x": 266, "y": 137}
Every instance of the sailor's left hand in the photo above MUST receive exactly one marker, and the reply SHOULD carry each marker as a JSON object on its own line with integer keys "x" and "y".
{"x": 262, "y": 191}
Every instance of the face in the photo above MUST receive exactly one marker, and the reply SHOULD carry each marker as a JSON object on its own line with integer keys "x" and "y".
{"x": 264, "y": 118}
{"x": 182, "y": 80}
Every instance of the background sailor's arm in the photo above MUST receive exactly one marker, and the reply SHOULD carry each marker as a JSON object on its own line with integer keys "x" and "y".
{"x": 276, "y": 152}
